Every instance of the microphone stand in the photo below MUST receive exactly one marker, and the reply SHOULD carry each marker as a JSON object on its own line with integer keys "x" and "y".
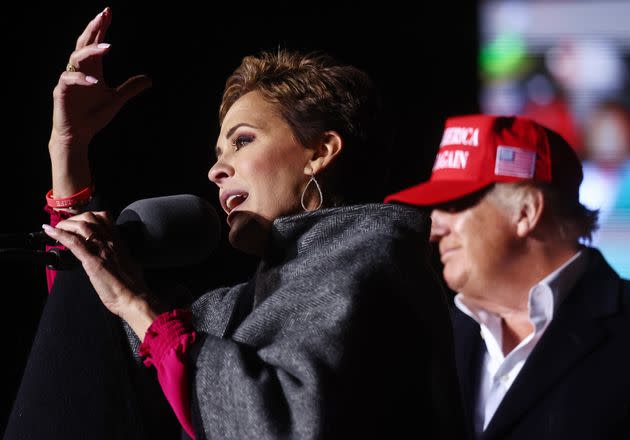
{"x": 29, "y": 240}
{"x": 55, "y": 259}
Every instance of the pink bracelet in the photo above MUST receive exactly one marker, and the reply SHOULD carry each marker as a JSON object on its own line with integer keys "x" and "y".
{"x": 78, "y": 199}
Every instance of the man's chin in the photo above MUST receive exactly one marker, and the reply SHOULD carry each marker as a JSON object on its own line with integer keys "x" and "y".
{"x": 454, "y": 281}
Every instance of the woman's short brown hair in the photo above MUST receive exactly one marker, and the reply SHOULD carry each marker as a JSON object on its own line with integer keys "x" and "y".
{"x": 314, "y": 94}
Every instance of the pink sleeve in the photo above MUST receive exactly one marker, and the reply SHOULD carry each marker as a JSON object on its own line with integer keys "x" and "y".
{"x": 165, "y": 347}
{"x": 55, "y": 217}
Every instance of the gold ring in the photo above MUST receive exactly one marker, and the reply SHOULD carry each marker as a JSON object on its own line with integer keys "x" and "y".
{"x": 71, "y": 68}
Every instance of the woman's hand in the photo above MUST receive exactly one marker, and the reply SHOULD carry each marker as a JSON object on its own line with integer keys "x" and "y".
{"x": 117, "y": 279}
{"x": 83, "y": 105}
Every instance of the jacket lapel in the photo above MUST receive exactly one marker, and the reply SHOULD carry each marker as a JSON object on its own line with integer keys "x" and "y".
{"x": 574, "y": 332}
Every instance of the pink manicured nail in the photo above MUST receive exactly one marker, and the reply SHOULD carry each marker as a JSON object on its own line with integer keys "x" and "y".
{"x": 47, "y": 228}
{"x": 103, "y": 45}
{"x": 91, "y": 79}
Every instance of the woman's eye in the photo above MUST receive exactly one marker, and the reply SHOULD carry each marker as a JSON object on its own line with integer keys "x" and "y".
{"x": 241, "y": 141}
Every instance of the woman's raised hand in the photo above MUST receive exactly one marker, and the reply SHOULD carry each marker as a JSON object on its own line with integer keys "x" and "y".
{"x": 83, "y": 102}
{"x": 83, "y": 105}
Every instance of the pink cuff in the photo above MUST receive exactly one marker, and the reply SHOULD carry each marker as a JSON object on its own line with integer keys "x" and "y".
{"x": 169, "y": 331}
{"x": 55, "y": 217}
{"x": 165, "y": 345}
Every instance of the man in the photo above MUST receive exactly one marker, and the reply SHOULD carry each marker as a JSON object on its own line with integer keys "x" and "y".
{"x": 541, "y": 323}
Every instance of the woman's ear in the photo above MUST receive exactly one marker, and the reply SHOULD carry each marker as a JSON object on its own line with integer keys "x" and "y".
{"x": 324, "y": 153}
{"x": 530, "y": 211}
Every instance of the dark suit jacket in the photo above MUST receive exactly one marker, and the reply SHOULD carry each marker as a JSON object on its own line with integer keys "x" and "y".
{"x": 576, "y": 382}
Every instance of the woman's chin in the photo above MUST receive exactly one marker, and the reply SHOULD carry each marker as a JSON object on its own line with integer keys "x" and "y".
{"x": 249, "y": 232}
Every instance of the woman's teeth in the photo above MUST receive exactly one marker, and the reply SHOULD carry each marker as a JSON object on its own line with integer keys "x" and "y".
{"x": 234, "y": 200}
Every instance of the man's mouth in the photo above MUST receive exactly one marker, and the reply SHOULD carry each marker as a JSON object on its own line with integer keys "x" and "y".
{"x": 446, "y": 252}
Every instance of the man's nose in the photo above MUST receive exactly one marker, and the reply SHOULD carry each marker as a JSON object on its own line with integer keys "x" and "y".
{"x": 439, "y": 225}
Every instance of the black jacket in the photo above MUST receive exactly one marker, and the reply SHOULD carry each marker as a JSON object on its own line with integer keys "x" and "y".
{"x": 576, "y": 382}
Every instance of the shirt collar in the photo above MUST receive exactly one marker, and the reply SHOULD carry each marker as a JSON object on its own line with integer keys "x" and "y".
{"x": 562, "y": 280}
{"x": 544, "y": 297}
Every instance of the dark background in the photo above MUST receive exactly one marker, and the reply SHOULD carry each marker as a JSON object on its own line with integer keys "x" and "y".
{"x": 423, "y": 61}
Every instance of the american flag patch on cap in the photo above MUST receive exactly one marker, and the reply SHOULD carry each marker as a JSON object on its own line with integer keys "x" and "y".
{"x": 515, "y": 162}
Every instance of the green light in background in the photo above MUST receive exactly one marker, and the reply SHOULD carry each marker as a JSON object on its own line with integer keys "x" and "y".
{"x": 504, "y": 56}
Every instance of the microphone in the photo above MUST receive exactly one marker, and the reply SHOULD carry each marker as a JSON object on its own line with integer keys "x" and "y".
{"x": 167, "y": 231}
{"x": 170, "y": 231}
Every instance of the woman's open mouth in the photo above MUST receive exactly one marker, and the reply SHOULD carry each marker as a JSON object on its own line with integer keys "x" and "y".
{"x": 234, "y": 200}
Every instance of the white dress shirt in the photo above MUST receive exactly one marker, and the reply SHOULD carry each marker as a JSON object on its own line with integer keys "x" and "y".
{"x": 498, "y": 372}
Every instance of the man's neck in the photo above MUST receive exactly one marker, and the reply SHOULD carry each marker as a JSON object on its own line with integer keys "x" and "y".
{"x": 508, "y": 296}
{"x": 514, "y": 329}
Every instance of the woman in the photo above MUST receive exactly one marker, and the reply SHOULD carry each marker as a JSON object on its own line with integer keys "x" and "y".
{"x": 343, "y": 330}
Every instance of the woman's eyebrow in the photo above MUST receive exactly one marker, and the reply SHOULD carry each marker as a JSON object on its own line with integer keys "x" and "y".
{"x": 233, "y": 129}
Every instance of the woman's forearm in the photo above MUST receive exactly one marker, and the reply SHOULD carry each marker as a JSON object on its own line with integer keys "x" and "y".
{"x": 70, "y": 167}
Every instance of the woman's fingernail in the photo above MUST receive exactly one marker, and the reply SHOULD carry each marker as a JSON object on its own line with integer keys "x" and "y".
{"x": 47, "y": 228}
{"x": 91, "y": 79}
{"x": 103, "y": 45}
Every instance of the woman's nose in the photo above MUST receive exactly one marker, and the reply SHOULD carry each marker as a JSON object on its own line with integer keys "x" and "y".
{"x": 219, "y": 172}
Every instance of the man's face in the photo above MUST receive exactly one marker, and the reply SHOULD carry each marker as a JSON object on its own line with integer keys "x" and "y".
{"x": 477, "y": 241}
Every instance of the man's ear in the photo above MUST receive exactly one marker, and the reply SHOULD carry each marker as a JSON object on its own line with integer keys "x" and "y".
{"x": 530, "y": 211}
{"x": 324, "y": 153}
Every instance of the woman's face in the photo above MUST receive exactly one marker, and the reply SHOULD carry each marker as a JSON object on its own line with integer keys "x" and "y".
{"x": 261, "y": 170}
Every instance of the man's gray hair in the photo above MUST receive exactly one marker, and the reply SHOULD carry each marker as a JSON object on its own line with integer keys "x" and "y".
{"x": 566, "y": 215}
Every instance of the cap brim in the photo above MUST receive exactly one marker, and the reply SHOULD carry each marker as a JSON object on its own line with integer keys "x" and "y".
{"x": 435, "y": 193}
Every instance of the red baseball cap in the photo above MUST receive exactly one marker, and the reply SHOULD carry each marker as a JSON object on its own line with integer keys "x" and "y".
{"x": 479, "y": 150}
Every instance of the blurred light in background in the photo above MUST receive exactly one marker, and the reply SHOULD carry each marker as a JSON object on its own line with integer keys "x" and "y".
{"x": 566, "y": 64}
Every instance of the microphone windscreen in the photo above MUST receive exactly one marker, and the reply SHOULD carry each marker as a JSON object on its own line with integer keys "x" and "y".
{"x": 170, "y": 231}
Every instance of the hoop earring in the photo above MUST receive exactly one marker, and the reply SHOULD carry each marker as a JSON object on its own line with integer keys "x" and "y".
{"x": 319, "y": 190}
